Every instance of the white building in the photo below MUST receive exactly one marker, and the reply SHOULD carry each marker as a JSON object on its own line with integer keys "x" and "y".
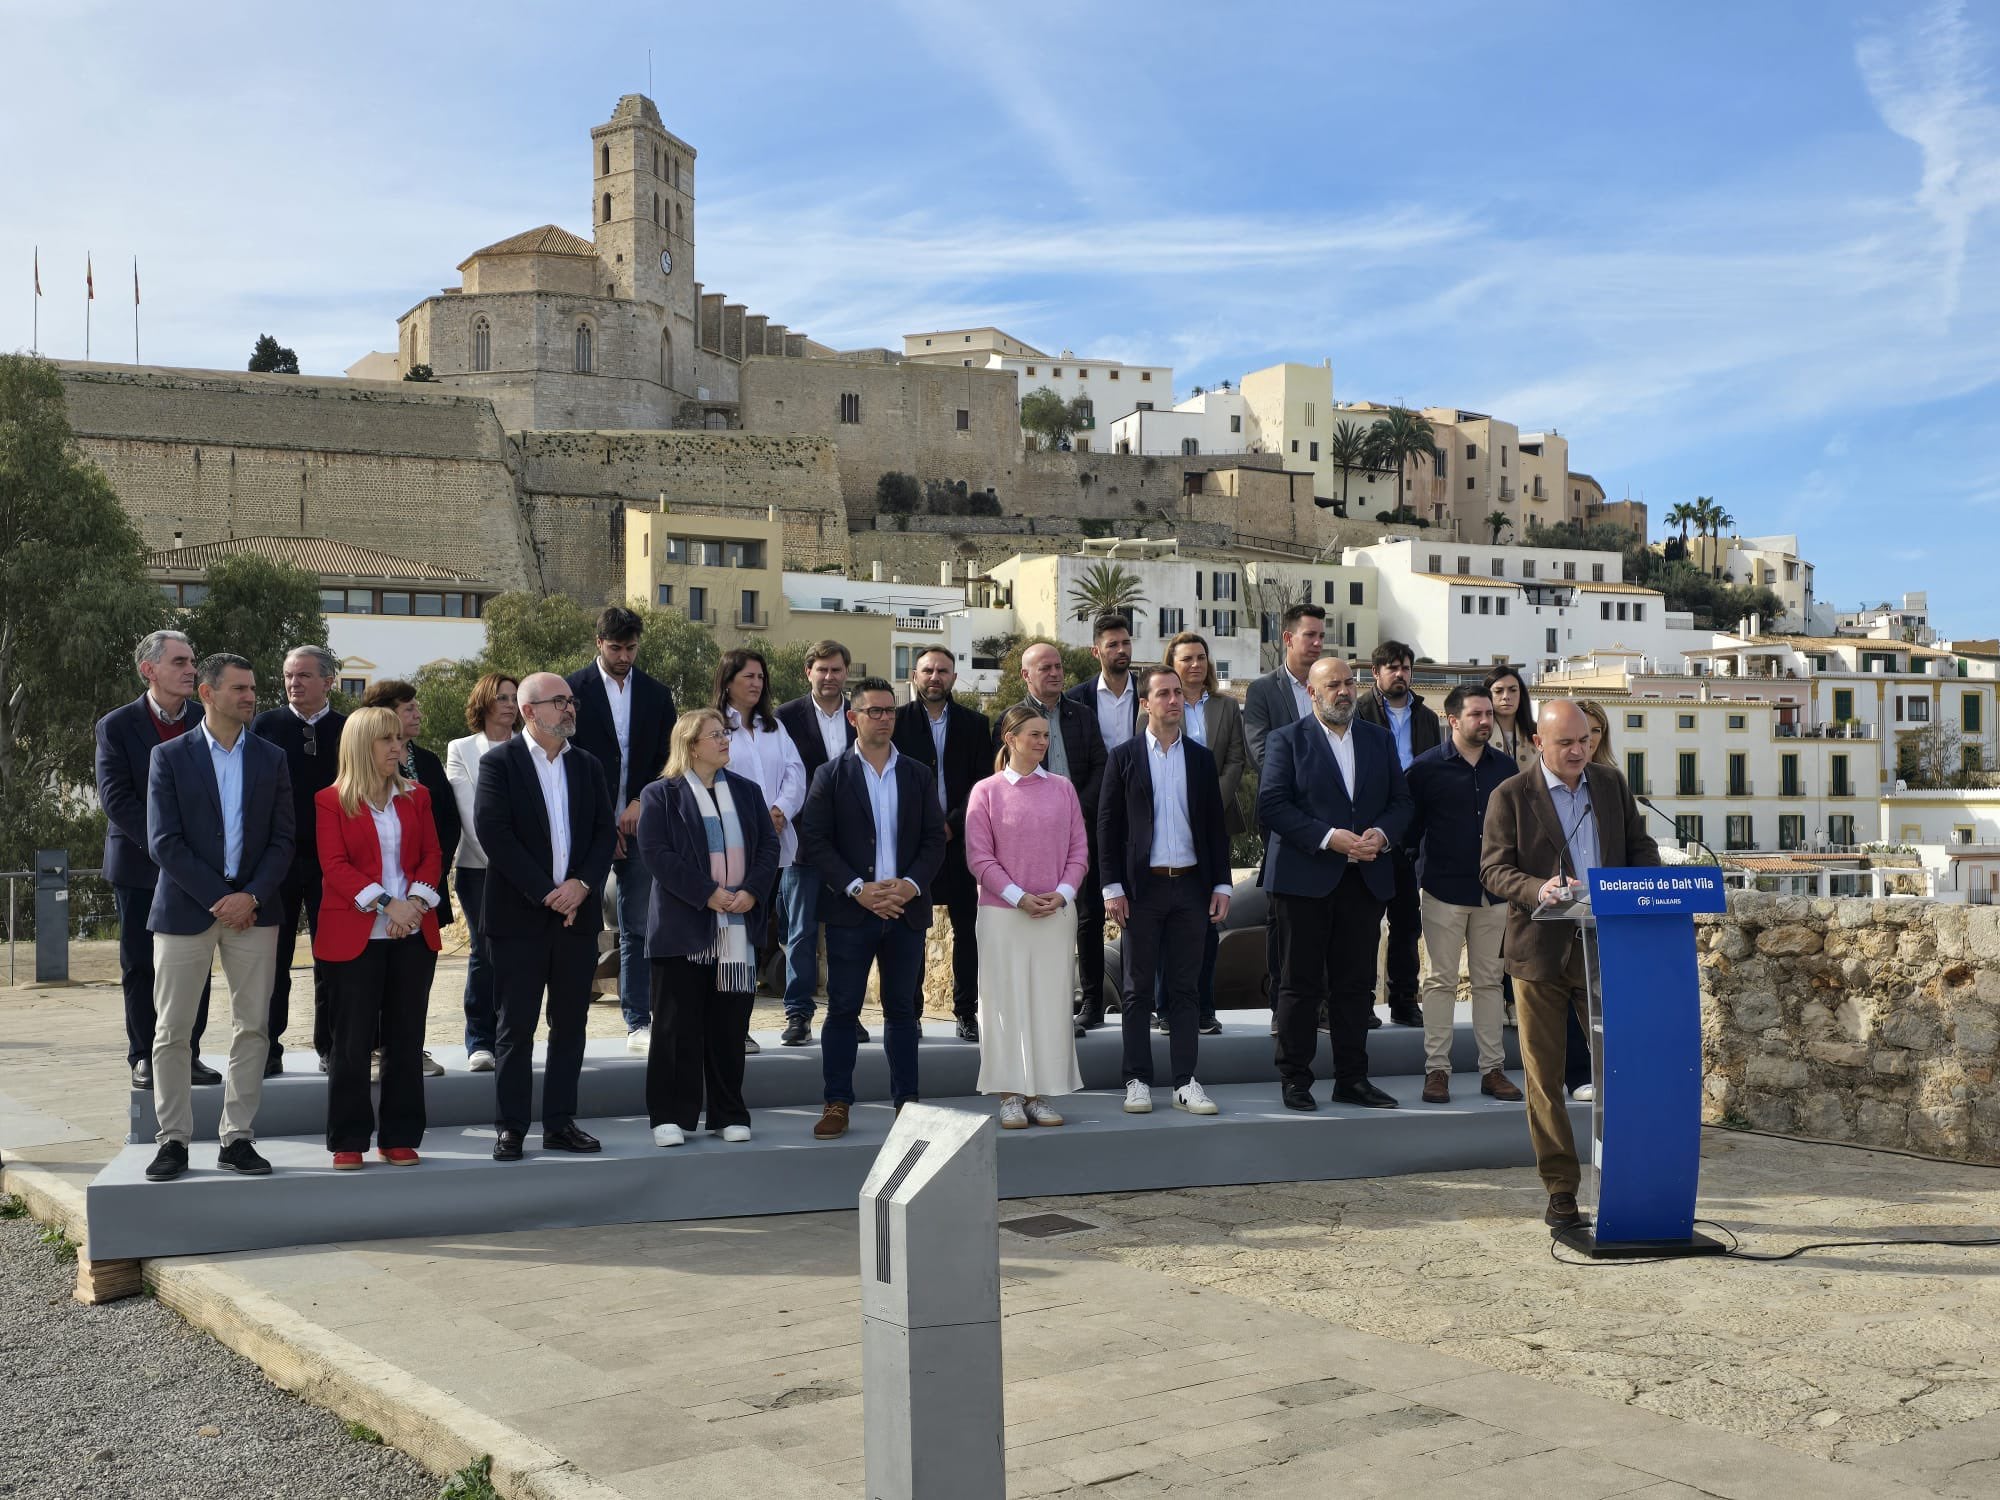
{"x": 1909, "y": 621}
{"x": 1109, "y": 388}
{"x": 956, "y": 616}
{"x": 1347, "y": 592}
{"x": 1217, "y": 421}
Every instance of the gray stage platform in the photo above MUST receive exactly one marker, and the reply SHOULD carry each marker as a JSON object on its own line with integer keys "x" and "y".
{"x": 459, "y": 1189}
{"x": 613, "y": 1082}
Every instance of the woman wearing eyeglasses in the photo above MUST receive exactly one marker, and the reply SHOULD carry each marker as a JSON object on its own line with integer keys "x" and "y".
{"x": 706, "y": 837}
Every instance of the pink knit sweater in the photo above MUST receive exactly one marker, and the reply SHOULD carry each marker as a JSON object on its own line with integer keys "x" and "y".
{"x": 1027, "y": 833}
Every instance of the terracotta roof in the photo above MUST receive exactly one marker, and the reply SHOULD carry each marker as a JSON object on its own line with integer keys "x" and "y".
{"x": 315, "y": 554}
{"x": 1612, "y": 588}
{"x": 1795, "y": 864}
{"x": 547, "y": 240}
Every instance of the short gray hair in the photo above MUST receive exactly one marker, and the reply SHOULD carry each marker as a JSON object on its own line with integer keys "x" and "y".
{"x": 154, "y": 646}
{"x": 329, "y": 664}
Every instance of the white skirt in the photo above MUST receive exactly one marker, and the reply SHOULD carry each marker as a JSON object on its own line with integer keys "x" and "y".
{"x": 1027, "y": 972}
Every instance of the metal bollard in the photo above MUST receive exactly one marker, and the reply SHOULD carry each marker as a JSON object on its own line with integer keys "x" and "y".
{"x": 931, "y": 1415}
{"x": 52, "y": 916}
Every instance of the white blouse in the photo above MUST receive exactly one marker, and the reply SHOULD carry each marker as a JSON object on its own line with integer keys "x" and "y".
{"x": 770, "y": 758}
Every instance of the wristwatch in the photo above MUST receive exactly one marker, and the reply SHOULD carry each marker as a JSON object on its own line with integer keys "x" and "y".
{"x": 381, "y": 902}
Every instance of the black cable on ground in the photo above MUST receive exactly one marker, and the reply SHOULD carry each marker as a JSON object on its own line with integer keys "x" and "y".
{"x": 1736, "y": 1252}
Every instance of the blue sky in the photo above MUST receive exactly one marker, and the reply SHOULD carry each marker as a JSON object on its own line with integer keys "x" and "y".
{"x": 1746, "y": 251}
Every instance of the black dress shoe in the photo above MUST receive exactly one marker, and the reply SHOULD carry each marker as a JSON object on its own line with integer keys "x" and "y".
{"x": 860, "y": 1032}
{"x": 1300, "y": 1099}
{"x": 1160, "y": 1025}
{"x": 968, "y": 1028}
{"x": 1090, "y": 1020}
{"x": 168, "y": 1162}
{"x": 1374, "y": 1023}
{"x": 274, "y": 1065}
{"x": 1562, "y": 1212}
{"x": 508, "y": 1146}
{"x": 1080, "y": 1029}
{"x": 201, "y": 1073}
{"x": 569, "y": 1138}
{"x": 142, "y": 1073}
{"x": 1211, "y": 1027}
{"x": 1406, "y": 1013}
{"x": 1364, "y": 1094}
{"x": 796, "y": 1034}
{"x": 241, "y": 1156}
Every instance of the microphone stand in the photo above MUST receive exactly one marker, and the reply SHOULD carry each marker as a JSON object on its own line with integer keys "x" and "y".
{"x": 1684, "y": 843}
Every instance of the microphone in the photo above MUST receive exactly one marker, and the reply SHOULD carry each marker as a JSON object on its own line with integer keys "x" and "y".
{"x": 1683, "y": 843}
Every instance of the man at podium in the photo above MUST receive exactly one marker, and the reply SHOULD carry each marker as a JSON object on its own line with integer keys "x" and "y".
{"x": 1545, "y": 827}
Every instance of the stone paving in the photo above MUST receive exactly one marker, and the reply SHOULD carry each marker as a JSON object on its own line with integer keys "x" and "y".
{"x": 1349, "y": 1337}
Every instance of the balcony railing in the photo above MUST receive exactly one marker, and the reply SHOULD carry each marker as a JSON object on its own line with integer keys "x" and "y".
{"x": 1791, "y": 789}
{"x": 1841, "y": 789}
{"x": 919, "y": 622}
{"x": 1686, "y": 788}
{"x": 757, "y": 619}
{"x": 1740, "y": 789}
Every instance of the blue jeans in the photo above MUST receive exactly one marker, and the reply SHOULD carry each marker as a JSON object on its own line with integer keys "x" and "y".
{"x": 480, "y": 1016}
{"x": 897, "y": 950}
{"x": 635, "y": 970}
{"x": 798, "y": 900}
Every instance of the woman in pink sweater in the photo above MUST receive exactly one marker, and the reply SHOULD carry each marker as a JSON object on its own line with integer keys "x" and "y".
{"x": 1025, "y": 846}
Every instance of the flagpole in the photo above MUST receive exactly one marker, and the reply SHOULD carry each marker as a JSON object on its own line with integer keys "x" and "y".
{"x": 89, "y": 296}
{"x": 135, "y": 309}
{"x": 35, "y": 339}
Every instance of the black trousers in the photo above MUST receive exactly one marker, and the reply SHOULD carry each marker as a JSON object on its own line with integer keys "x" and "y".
{"x": 963, "y": 909}
{"x": 697, "y": 1047}
{"x": 298, "y": 895}
{"x": 1406, "y": 925}
{"x": 1346, "y": 923}
{"x": 380, "y": 998}
{"x": 135, "y": 973}
{"x": 1163, "y": 943}
{"x": 560, "y": 963}
{"x": 1090, "y": 942}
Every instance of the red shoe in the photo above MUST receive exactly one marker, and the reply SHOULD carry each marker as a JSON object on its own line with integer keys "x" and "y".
{"x": 398, "y": 1156}
{"x": 347, "y": 1161}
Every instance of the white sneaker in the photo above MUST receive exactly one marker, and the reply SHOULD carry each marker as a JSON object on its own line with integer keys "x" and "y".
{"x": 750, "y": 1047}
{"x": 1012, "y": 1115}
{"x": 639, "y": 1040}
{"x": 1040, "y": 1114}
{"x": 1138, "y": 1098}
{"x": 481, "y": 1061}
{"x": 669, "y": 1135}
{"x": 736, "y": 1135}
{"x": 1584, "y": 1094}
{"x": 432, "y": 1067}
{"x": 1192, "y": 1098}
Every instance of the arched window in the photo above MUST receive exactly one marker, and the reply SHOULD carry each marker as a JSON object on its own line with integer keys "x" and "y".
{"x": 667, "y": 358}
{"x": 656, "y": 161}
{"x": 656, "y": 208}
{"x": 680, "y": 223}
{"x": 583, "y": 349}
{"x": 607, "y": 208}
{"x": 604, "y": 161}
{"x": 482, "y": 344}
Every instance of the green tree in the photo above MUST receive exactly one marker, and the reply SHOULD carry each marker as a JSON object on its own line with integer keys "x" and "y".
{"x": 1350, "y": 448}
{"x": 1398, "y": 438}
{"x": 1049, "y": 419}
{"x": 443, "y": 689}
{"x": 897, "y": 494}
{"x": 788, "y": 671}
{"x": 1106, "y": 588}
{"x": 679, "y": 652}
{"x": 529, "y": 633}
{"x": 1498, "y": 521}
{"x": 74, "y": 599}
{"x": 272, "y": 358}
{"x": 259, "y": 609}
{"x": 422, "y": 374}
{"x": 1078, "y": 666}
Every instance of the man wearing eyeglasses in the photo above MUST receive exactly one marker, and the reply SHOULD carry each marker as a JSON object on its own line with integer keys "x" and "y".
{"x": 308, "y": 730}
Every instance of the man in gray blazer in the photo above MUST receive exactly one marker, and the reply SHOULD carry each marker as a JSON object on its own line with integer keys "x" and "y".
{"x": 1279, "y": 697}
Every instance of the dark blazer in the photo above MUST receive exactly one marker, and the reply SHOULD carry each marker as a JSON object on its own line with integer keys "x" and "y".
{"x": 1084, "y": 695}
{"x": 311, "y": 774}
{"x": 184, "y": 833}
{"x": 651, "y": 731}
{"x": 674, "y": 849}
{"x": 1268, "y": 705}
{"x": 513, "y": 828}
{"x": 1302, "y": 798}
{"x": 801, "y": 721}
{"x": 968, "y": 759}
{"x": 350, "y": 855}
{"x": 837, "y": 837}
{"x": 444, "y": 817}
{"x": 1524, "y": 847}
{"x": 1222, "y": 721}
{"x": 126, "y": 740}
{"x": 1083, "y": 745}
{"x": 1125, "y": 819}
{"x": 1426, "y": 729}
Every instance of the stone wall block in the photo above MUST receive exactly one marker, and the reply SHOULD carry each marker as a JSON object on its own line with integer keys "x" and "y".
{"x": 1825, "y": 1115}
{"x": 1974, "y": 1030}
{"x": 1756, "y": 1011}
{"x": 1776, "y": 1073}
{"x": 1839, "y": 1054}
{"x": 1907, "y": 1029}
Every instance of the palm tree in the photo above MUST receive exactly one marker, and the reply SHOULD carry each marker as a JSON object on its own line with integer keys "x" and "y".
{"x": 1699, "y": 511}
{"x": 1498, "y": 521}
{"x": 1351, "y": 447}
{"x": 1400, "y": 437}
{"x": 1106, "y": 589}
{"x": 1682, "y": 515}
{"x": 1717, "y": 519}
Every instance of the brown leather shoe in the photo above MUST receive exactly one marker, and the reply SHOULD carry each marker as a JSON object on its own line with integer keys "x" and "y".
{"x": 832, "y": 1122}
{"x": 1437, "y": 1087}
{"x": 1562, "y": 1211}
{"x": 1497, "y": 1085}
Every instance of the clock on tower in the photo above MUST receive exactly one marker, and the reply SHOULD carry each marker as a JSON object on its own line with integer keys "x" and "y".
{"x": 667, "y": 262}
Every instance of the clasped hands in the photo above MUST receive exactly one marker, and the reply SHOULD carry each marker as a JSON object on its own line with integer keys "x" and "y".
{"x": 404, "y": 918}
{"x": 885, "y": 898}
{"x": 1047, "y": 904}
{"x": 1119, "y": 908}
{"x": 1361, "y": 847}
{"x": 730, "y": 903}
{"x": 565, "y": 899}
{"x": 236, "y": 911}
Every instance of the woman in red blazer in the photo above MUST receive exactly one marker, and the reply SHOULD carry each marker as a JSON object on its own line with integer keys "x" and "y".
{"x": 378, "y": 935}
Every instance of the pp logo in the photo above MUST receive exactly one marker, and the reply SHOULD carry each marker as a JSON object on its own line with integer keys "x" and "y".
{"x": 1645, "y": 901}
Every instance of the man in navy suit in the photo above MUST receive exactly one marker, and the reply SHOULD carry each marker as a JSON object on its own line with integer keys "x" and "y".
{"x": 1165, "y": 854}
{"x": 872, "y": 828}
{"x": 818, "y": 724}
{"x": 1333, "y": 803}
{"x": 544, "y": 818}
{"x": 219, "y": 827}
{"x": 126, "y": 739}
{"x": 624, "y": 721}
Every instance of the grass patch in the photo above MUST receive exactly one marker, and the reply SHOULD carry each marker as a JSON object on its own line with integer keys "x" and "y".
{"x": 361, "y": 1432}
{"x": 473, "y": 1482}
{"x": 1734, "y": 1121}
{"x": 12, "y": 1207}
{"x": 62, "y": 1244}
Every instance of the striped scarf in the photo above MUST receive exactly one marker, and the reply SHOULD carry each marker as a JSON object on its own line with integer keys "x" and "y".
{"x": 735, "y": 972}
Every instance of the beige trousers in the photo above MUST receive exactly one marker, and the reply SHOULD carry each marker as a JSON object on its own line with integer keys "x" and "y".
{"x": 1473, "y": 933}
{"x": 181, "y": 965}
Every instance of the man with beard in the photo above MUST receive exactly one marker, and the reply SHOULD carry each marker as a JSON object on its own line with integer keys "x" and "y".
{"x": 1333, "y": 803}
{"x": 953, "y": 741}
{"x": 1416, "y": 730}
{"x": 1450, "y": 785}
{"x": 1110, "y": 695}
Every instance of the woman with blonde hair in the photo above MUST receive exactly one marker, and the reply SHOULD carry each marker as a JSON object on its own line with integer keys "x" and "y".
{"x": 380, "y": 866}
{"x": 707, "y": 838}
{"x": 1600, "y": 732}
{"x": 1026, "y": 849}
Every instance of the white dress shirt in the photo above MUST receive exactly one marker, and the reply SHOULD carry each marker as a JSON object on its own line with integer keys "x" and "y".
{"x": 1114, "y": 712}
{"x": 554, "y": 777}
{"x": 1300, "y": 697}
{"x": 884, "y": 803}
{"x": 620, "y": 694}
{"x": 769, "y": 758}
{"x": 1341, "y": 742}
{"x": 1194, "y": 719}
{"x": 394, "y": 883}
{"x": 1173, "y": 827}
{"x": 832, "y": 729}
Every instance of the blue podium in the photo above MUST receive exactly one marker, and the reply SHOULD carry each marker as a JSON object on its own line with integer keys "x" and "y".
{"x": 1637, "y": 928}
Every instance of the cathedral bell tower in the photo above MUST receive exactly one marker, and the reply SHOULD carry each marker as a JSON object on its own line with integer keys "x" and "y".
{"x": 642, "y": 217}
